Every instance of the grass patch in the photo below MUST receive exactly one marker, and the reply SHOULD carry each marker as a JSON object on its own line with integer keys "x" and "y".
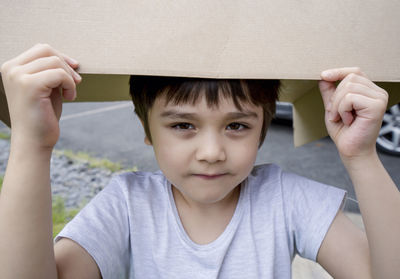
{"x": 1, "y": 182}
{"x": 5, "y": 136}
{"x": 93, "y": 161}
{"x": 61, "y": 216}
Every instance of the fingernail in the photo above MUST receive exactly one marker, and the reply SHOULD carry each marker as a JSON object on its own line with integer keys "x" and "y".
{"x": 73, "y": 61}
{"x": 77, "y": 76}
{"x": 327, "y": 74}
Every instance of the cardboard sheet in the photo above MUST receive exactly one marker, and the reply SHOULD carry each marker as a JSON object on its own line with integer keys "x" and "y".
{"x": 289, "y": 40}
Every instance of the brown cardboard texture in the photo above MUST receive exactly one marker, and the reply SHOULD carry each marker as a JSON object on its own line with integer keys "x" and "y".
{"x": 289, "y": 40}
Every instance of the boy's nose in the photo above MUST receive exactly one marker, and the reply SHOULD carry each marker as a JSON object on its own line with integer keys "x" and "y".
{"x": 211, "y": 149}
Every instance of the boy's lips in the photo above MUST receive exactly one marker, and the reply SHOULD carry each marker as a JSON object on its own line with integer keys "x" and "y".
{"x": 209, "y": 176}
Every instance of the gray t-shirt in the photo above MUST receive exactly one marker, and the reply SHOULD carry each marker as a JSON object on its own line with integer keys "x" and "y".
{"x": 132, "y": 228}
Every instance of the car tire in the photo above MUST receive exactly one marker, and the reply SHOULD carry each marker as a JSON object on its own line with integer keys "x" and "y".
{"x": 388, "y": 140}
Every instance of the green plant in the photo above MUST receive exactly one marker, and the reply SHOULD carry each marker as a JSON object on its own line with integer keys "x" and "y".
{"x": 92, "y": 161}
{"x": 5, "y": 136}
{"x": 1, "y": 182}
{"x": 61, "y": 216}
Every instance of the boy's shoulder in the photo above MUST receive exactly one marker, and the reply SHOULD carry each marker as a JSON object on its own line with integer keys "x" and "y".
{"x": 271, "y": 177}
{"x": 265, "y": 174}
{"x": 129, "y": 184}
{"x": 265, "y": 169}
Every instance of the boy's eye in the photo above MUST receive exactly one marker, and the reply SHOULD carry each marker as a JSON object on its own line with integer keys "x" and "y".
{"x": 183, "y": 126}
{"x": 236, "y": 126}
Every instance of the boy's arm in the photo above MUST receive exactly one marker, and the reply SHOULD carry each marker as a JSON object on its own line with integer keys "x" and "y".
{"x": 379, "y": 202}
{"x": 32, "y": 84}
{"x": 354, "y": 112}
{"x": 25, "y": 216}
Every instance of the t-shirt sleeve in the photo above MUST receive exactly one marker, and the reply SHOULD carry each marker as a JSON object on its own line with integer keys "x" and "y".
{"x": 102, "y": 229}
{"x": 310, "y": 207}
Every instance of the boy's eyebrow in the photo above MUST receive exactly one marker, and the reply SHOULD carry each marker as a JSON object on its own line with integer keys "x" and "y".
{"x": 187, "y": 115}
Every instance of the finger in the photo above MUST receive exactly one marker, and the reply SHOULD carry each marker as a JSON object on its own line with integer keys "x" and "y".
{"x": 327, "y": 86}
{"x": 71, "y": 62}
{"x": 355, "y": 88}
{"x": 327, "y": 90}
{"x": 42, "y": 50}
{"x": 54, "y": 78}
{"x": 350, "y": 106}
{"x": 345, "y": 109}
{"x": 49, "y": 62}
{"x": 356, "y": 78}
{"x": 25, "y": 56}
{"x": 340, "y": 73}
{"x": 38, "y": 50}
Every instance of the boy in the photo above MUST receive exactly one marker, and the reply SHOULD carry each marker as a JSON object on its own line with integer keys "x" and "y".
{"x": 208, "y": 213}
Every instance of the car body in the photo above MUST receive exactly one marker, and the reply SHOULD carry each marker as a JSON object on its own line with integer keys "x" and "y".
{"x": 388, "y": 140}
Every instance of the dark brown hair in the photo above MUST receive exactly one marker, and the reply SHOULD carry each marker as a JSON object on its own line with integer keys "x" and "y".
{"x": 145, "y": 89}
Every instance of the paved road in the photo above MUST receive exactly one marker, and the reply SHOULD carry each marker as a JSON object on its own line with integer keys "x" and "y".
{"x": 113, "y": 131}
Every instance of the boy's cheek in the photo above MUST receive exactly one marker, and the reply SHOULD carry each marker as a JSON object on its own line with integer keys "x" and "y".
{"x": 170, "y": 154}
{"x": 244, "y": 156}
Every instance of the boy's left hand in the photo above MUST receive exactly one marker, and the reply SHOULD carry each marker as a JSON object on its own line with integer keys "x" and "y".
{"x": 353, "y": 110}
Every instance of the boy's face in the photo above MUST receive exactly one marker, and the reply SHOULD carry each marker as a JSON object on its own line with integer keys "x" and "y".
{"x": 205, "y": 152}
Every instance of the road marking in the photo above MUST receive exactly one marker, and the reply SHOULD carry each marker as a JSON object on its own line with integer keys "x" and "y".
{"x": 95, "y": 111}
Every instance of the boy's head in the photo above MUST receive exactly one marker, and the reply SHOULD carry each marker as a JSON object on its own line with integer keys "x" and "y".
{"x": 205, "y": 133}
{"x": 144, "y": 90}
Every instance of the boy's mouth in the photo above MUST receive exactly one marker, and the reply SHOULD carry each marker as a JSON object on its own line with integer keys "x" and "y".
{"x": 210, "y": 176}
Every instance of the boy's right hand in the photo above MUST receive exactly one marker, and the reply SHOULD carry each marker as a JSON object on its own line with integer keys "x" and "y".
{"x": 32, "y": 83}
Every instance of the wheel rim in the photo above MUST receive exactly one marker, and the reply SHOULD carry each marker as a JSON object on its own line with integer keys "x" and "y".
{"x": 389, "y": 135}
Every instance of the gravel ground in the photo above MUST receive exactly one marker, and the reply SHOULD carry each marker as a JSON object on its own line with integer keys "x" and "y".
{"x": 73, "y": 180}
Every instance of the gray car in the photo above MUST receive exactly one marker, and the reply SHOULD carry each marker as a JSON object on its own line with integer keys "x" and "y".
{"x": 389, "y": 136}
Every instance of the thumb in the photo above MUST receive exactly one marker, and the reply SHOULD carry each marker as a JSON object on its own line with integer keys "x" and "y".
{"x": 327, "y": 89}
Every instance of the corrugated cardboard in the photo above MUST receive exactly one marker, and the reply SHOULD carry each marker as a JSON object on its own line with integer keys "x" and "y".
{"x": 289, "y": 39}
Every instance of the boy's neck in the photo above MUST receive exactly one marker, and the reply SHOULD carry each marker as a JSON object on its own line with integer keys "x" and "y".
{"x": 206, "y": 222}
{"x": 206, "y": 209}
